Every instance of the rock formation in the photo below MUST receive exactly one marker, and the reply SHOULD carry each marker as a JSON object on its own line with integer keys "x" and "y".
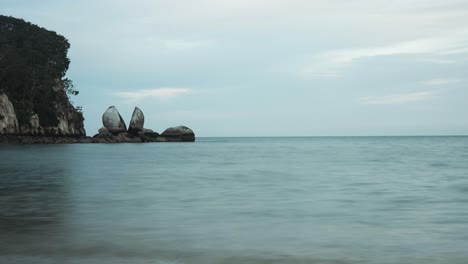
{"x": 8, "y": 121}
{"x": 146, "y": 135}
{"x": 113, "y": 121}
{"x": 113, "y": 132}
{"x": 70, "y": 121}
{"x": 137, "y": 133}
{"x": 179, "y": 134}
{"x": 137, "y": 122}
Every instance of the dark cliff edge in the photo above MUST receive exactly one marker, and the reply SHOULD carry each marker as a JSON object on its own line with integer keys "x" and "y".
{"x": 34, "y": 92}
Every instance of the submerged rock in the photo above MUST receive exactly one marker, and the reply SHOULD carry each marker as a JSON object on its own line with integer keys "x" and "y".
{"x": 137, "y": 122}
{"x": 179, "y": 133}
{"x": 113, "y": 121}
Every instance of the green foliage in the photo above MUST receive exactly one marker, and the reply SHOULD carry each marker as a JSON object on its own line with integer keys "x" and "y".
{"x": 80, "y": 112}
{"x": 23, "y": 111}
{"x": 69, "y": 87}
{"x": 33, "y": 61}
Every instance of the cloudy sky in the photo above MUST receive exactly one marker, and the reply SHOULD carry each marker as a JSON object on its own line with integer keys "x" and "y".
{"x": 267, "y": 68}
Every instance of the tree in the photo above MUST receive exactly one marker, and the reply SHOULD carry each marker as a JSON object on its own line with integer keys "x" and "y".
{"x": 33, "y": 61}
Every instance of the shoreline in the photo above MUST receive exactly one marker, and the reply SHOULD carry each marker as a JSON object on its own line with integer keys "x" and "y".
{"x": 24, "y": 140}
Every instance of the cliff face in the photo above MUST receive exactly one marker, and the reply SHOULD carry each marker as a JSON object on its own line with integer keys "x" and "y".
{"x": 8, "y": 121}
{"x": 70, "y": 121}
{"x": 33, "y": 91}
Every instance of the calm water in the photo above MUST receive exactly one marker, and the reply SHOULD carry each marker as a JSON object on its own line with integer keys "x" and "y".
{"x": 237, "y": 200}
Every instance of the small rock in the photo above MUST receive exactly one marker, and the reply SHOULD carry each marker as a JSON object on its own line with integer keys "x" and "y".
{"x": 145, "y": 130}
{"x": 35, "y": 127}
{"x": 161, "y": 139}
{"x": 103, "y": 130}
{"x": 25, "y": 130}
{"x": 149, "y": 134}
{"x": 86, "y": 140}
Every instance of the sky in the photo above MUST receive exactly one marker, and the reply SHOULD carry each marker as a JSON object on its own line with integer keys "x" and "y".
{"x": 267, "y": 68}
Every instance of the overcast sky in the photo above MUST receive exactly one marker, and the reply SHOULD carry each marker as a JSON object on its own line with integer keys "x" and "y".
{"x": 267, "y": 68}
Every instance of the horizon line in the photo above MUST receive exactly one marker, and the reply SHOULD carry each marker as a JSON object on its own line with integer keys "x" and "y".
{"x": 454, "y": 135}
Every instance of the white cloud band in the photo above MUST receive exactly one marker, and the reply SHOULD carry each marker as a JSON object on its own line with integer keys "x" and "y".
{"x": 397, "y": 98}
{"x": 161, "y": 93}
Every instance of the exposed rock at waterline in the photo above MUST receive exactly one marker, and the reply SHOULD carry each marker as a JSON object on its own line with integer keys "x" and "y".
{"x": 179, "y": 134}
{"x": 20, "y": 139}
{"x": 106, "y": 137}
{"x": 113, "y": 121}
{"x": 137, "y": 122}
{"x": 146, "y": 130}
{"x": 119, "y": 138}
{"x": 150, "y": 137}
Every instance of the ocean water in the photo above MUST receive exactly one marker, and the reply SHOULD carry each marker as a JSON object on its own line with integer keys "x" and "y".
{"x": 237, "y": 200}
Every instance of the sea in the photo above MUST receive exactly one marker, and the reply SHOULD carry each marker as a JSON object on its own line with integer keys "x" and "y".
{"x": 330, "y": 200}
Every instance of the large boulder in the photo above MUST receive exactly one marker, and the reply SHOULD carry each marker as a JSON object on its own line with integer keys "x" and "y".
{"x": 179, "y": 134}
{"x": 113, "y": 121}
{"x": 137, "y": 121}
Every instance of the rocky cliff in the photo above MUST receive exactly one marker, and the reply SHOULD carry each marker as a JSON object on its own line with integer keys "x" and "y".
{"x": 8, "y": 120}
{"x": 70, "y": 121}
{"x": 34, "y": 93}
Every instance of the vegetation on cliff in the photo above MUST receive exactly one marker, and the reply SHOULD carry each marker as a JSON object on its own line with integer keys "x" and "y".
{"x": 33, "y": 64}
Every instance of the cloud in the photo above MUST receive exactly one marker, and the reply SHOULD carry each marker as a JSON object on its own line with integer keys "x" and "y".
{"x": 160, "y": 93}
{"x": 329, "y": 74}
{"x": 203, "y": 115}
{"x": 397, "y": 98}
{"x": 440, "y": 81}
{"x": 177, "y": 45}
{"x": 455, "y": 51}
{"x": 332, "y": 61}
{"x": 441, "y": 61}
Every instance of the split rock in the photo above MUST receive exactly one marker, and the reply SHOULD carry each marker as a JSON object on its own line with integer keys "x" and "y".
{"x": 113, "y": 121}
{"x": 137, "y": 121}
